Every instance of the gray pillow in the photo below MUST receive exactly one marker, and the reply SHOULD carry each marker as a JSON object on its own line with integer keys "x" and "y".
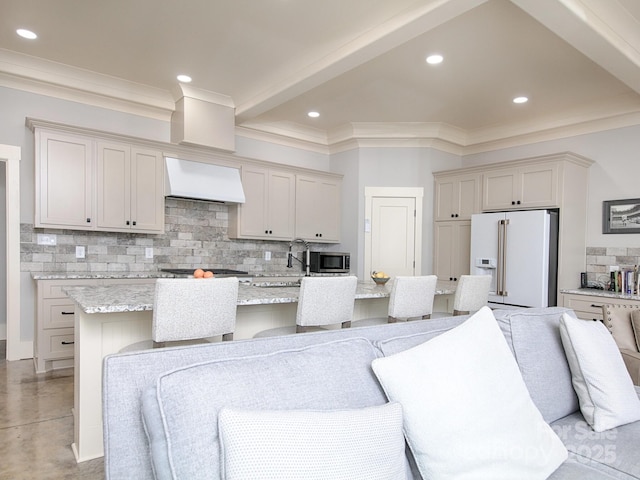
{"x": 180, "y": 412}
{"x": 534, "y": 337}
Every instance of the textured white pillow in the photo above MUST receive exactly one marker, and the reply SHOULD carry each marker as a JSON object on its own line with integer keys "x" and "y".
{"x": 364, "y": 444}
{"x": 601, "y": 380}
{"x": 467, "y": 412}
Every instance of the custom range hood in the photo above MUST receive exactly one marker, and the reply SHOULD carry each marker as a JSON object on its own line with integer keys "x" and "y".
{"x": 202, "y": 181}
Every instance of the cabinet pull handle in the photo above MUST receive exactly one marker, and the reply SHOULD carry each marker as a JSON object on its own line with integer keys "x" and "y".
{"x": 593, "y": 305}
{"x": 66, "y": 313}
{"x": 67, "y": 343}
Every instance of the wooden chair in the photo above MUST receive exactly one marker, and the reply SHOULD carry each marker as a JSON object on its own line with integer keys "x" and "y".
{"x": 189, "y": 310}
{"x": 322, "y": 301}
{"x": 411, "y": 297}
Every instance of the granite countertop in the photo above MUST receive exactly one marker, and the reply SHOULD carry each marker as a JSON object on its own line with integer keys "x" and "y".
{"x": 97, "y": 275}
{"x": 595, "y": 292}
{"x": 137, "y": 298}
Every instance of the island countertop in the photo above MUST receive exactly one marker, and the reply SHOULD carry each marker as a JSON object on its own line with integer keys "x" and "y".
{"x": 137, "y": 298}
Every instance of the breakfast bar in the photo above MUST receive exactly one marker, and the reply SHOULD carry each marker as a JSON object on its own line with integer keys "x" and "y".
{"x": 110, "y": 317}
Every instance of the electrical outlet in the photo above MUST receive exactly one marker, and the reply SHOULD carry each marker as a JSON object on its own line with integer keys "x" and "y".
{"x": 47, "y": 239}
{"x": 79, "y": 251}
{"x": 267, "y": 256}
{"x": 148, "y": 252}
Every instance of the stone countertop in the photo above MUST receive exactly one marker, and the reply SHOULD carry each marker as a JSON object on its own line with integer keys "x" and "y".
{"x": 595, "y": 292}
{"x": 97, "y": 275}
{"x": 136, "y": 298}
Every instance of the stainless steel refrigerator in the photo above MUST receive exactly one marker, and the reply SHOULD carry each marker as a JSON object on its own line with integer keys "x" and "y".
{"x": 520, "y": 252}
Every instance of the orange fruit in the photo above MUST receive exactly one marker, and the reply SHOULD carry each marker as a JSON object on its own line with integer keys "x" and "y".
{"x": 198, "y": 273}
{"x": 208, "y": 274}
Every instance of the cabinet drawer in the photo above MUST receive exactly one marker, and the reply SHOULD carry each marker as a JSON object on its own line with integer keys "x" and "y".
{"x": 53, "y": 288}
{"x": 57, "y": 313}
{"x": 57, "y": 343}
{"x": 586, "y": 307}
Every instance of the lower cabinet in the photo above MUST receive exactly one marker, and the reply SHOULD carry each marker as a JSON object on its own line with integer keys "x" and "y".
{"x": 54, "y": 330}
{"x": 589, "y": 307}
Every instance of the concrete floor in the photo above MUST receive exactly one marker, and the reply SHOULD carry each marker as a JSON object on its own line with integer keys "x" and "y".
{"x": 36, "y": 425}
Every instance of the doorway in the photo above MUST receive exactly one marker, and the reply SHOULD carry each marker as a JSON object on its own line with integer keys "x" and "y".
{"x": 393, "y": 230}
{"x": 16, "y": 348}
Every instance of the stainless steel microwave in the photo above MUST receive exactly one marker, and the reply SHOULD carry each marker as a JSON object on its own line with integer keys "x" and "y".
{"x": 329, "y": 262}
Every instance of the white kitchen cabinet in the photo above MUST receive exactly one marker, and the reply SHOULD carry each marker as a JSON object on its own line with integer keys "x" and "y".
{"x": 65, "y": 181}
{"x": 318, "y": 208}
{"x": 130, "y": 188}
{"x": 269, "y": 209}
{"x": 526, "y": 186}
{"x": 53, "y": 345}
{"x": 589, "y": 307}
{"x": 457, "y": 197}
{"x": 452, "y": 248}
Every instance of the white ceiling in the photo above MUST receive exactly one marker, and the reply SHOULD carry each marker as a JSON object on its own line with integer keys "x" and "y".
{"x": 360, "y": 63}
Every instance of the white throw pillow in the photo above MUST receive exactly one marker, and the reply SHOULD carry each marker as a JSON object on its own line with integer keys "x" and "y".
{"x": 601, "y": 380}
{"x": 363, "y": 444}
{"x": 467, "y": 412}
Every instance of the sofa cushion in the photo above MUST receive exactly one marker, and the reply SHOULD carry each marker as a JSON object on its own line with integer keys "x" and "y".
{"x": 181, "y": 411}
{"x": 534, "y": 338}
{"x": 312, "y": 444}
{"x": 614, "y": 452}
{"x": 466, "y": 409}
{"x": 600, "y": 378}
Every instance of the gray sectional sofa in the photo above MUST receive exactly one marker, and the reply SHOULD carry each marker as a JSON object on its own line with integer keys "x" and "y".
{"x": 161, "y": 407}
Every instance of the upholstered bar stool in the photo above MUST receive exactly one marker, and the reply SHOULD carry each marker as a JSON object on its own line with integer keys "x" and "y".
{"x": 190, "y": 310}
{"x": 472, "y": 293}
{"x": 322, "y": 301}
{"x": 411, "y": 297}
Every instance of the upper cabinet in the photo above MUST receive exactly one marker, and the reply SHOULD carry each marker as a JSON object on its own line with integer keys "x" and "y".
{"x": 527, "y": 186}
{"x": 65, "y": 181}
{"x": 130, "y": 188}
{"x": 87, "y": 183}
{"x": 268, "y": 211}
{"x": 318, "y": 208}
{"x": 457, "y": 197}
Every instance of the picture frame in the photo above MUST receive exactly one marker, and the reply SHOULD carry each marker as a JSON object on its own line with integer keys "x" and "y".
{"x": 621, "y": 216}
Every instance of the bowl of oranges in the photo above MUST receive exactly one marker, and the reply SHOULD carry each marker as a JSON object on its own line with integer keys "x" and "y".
{"x": 199, "y": 273}
{"x": 380, "y": 277}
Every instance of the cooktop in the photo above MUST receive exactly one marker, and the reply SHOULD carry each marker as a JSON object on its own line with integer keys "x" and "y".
{"x": 215, "y": 271}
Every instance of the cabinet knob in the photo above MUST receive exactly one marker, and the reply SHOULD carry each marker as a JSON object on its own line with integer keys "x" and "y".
{"x": 518, "y": 202}
{"x": 266, "y": 231}
{"x": 457, "y": 215}
{"x": 270, "y": 232}
{"x": 134, "y": 222}
{"x": 513, "y": 202}
{"x": 127, "y": 222}
{"x": 453, "y": 215}
{"x": 88, "y": 220}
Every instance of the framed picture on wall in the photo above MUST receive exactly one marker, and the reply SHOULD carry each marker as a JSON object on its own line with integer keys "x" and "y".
{"x": 621, "y": 216}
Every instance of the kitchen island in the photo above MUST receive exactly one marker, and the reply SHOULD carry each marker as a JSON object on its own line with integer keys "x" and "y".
{"x": 110, "y": 317}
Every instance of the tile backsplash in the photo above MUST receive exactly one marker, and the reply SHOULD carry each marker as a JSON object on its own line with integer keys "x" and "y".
{"x": 195, "y": 235}
{"x": 600, "y": 259}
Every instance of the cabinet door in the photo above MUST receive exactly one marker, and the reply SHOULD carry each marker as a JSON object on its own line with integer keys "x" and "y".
{"x": 147, "y": 191}
{"x": 456, "y": 197}
{"x": 538, "y": 186}
{"x": 65, "y": 178}
{"x": 452, "y": 249}
{"x": 498, "y": 189}
{"x": 252, "y": 215}
{"x": 317, "y": 209}
{"x": 281, "y": 205}
{"x": 114, "y": 186}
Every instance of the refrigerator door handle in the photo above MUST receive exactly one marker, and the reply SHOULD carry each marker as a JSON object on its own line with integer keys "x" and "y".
{"x": 500, "y": 258}
{"x": 505, "y": 224}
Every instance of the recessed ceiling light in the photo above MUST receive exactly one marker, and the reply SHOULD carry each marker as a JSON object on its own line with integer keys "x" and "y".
{"x": 184, "y": 78}
{"x": 28, "y": 34}
{"x": 520, "y": 100}
{"x": 434, "y": 59}
{"x": 313, "y": 114}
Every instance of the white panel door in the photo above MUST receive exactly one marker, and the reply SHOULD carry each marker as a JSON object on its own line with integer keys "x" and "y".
{"x": 393, "y": 235}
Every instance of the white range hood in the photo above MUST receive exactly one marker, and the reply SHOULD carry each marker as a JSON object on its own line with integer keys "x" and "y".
{"x": 202, "y": 181}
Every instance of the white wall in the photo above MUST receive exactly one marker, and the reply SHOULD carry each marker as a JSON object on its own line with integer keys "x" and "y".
{"x": 614, "y": 175}
{"x": 3, "y": 251}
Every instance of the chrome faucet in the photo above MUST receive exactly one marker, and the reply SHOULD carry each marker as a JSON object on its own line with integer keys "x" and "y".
{"x": 307, "y": 262}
